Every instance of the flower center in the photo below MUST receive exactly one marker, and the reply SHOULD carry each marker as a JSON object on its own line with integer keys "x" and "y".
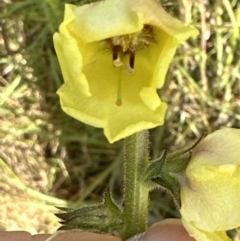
{"x": 129, "y": 44}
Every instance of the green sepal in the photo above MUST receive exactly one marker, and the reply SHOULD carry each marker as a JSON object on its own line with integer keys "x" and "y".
{"x": 104, "y": 217}
{"x": 176, "y": 154}
{"x": 177, "y": 164}
{"x": 155, "y": 167}
{"x": 165, "y": 170}
{"x": 170, "y": 184}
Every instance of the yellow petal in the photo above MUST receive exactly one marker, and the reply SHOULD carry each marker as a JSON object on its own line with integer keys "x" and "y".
{"x": 219, "y": 148}
{"x": 150, "y": 98}
{"x": 210, "y": 196}
{"x": 155, "y": 15}
{"x": 202, "y": 235}
{"x": 105, "y": 19}
{"x": 126, "y": 16}
{"x": 118, "y": 122}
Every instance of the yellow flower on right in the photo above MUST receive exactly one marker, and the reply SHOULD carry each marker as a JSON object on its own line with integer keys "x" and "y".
{"x": 210, "y": 187}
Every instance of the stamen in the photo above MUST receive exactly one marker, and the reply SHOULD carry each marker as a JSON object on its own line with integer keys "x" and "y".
{"x": 130, "y": 68}
{"x": 117, "y": 62}
{"x": 116, "y": 58}
{"x": 131, "y": 59}
{"x": 130, "y": 44}
{"x": 115, "y": 51}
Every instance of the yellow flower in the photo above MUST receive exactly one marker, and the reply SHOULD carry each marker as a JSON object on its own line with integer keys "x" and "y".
{"x": 114, "y": 55}
{"x": 210, "y": 193}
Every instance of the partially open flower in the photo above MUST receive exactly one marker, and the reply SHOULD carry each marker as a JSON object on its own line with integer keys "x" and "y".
{"x": 210, "y": 192}
{"x": 114, "y": 55}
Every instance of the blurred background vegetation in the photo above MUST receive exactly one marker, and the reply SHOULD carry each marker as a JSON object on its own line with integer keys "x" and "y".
{"x": 49, "y": 159}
